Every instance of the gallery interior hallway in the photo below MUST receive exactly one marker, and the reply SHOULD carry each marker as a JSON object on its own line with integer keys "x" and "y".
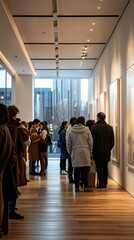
{"x": 53, "y": 211}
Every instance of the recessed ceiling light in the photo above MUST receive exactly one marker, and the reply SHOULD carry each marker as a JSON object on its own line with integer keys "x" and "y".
{"x": 91, "y": 29}
{"x": 88, "y": 40}
{"x": 98, "y": 7}
{"x": 93, "y": 23}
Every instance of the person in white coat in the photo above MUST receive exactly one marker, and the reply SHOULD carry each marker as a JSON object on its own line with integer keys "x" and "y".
{"x": 79, "y": 145}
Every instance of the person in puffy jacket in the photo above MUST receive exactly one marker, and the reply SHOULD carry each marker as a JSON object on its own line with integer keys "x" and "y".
{"x": 79, "y": 145}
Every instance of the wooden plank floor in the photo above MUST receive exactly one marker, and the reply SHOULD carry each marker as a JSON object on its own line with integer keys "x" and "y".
{"x": 53, "y": 211}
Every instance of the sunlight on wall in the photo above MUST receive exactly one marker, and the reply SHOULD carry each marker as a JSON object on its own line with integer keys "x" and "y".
{"x": 84, "y": 90}
{"x": 44, "y": 83}
{"x": 2, "y": 79}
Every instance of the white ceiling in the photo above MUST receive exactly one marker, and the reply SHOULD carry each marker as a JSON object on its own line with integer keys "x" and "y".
{"x": 48, "y": 36}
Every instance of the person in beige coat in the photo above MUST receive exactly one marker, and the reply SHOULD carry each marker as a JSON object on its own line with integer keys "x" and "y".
{"x": 79, "y": 144}
{"x": 34, "y": 148}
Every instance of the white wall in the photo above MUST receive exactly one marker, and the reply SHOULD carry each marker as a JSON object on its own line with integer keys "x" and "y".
{"x": 117, "y": 57}
{"x": 24, "y": 96}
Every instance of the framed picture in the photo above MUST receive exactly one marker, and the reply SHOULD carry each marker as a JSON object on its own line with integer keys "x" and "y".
{"x": 130, "y": 117}
{"x": 115, "y": 118}
{"x": 90, "y": 110}
{"x": 102, "y": 103}
{"x": 94, "y": 109}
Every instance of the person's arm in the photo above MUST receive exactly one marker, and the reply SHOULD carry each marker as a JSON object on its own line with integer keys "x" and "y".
{"x": 90, "y": 142}
{"x": 43, "y": 134}
{"x": 94, "y": 135}
{"x": 112, "y": 138}
{"x": 34, "y": 136}
{"x": 69, "y": 143}
{"x": 63, "y": 138}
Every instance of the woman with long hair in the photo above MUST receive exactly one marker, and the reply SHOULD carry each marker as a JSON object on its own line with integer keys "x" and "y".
{"x": 43, "y": 148}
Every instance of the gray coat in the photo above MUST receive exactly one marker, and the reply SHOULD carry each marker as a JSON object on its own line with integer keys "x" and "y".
{"x": 79, "y": 144}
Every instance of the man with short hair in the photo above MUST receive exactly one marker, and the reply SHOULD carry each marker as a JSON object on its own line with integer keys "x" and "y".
{"x": 103, "y": 142}
{"x": 13, "y": 128}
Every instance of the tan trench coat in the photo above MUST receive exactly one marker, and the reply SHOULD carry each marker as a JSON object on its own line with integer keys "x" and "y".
{"x": 34, "y": 148}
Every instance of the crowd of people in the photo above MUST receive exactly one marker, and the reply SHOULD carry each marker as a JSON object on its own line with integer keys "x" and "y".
{"x": 16, "y": 137}
{"x": 80, "y": 142}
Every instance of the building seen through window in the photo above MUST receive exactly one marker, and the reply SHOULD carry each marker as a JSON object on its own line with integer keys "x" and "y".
{"x": 57, "y": 100}
{"x": 5, "y": 86}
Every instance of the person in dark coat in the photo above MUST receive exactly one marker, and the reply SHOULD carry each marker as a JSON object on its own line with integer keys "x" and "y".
{"x": 70, "y": 168}
{"x": 13, "y": 128}
{"x": 63, "y": 150}
{"x": 103, "y": 142}
{"x": 90, "y": 123}
{"x": 6, "y": 145}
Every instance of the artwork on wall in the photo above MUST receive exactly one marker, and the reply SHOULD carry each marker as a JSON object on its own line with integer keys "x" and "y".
{"x": 130, "y": 117}
{"x": 94, "y": 109}
{"x": 91, "y": 110}
{"x": 115, "y": 118}
{"x": 102, "y": 103}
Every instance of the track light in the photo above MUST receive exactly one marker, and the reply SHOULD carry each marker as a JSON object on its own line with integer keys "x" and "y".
{"x": 84, "y": 54}
{"x": 55, "y": 15}
{"x": 55, "y": 29}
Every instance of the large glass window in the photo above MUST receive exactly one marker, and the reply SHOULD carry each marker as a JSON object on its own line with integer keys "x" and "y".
{"x": 43, "y": 99}
{"x": 58, "y": 100}
{"x": 5, "y": 86}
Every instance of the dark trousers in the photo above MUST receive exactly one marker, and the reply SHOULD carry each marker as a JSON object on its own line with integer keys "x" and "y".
{"x": 11, "y": 206}
{"x": 102, "y": 172}
{"x": 81, "y": 173}
{"x": 5, "y": 217}
{"x": 31, "y": 166}
{"x": 46, "y": 161}
{"x": 70, "y": 168}
{"x": 63, "y": 164}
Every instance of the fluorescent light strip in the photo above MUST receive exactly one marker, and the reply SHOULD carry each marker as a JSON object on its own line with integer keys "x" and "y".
{"x": 4, "y": 60}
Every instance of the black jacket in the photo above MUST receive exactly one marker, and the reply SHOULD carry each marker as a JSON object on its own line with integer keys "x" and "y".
{"x": 103, "y": 141}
